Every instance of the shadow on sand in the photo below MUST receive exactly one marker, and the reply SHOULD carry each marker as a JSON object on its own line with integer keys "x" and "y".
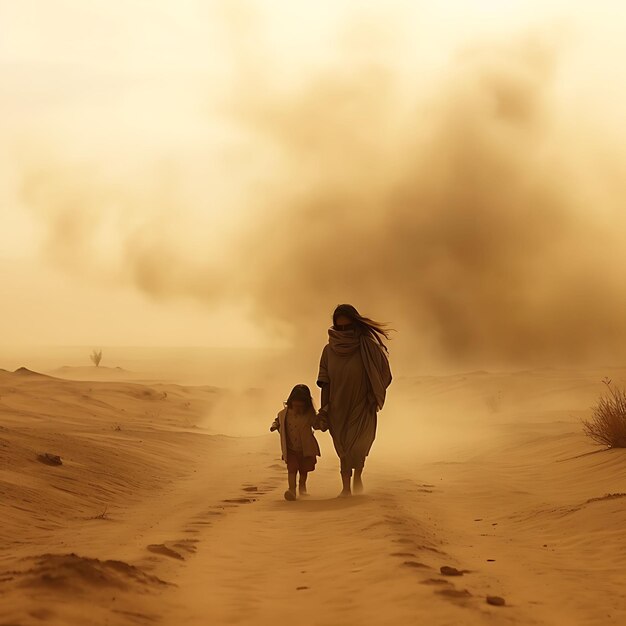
{"x": 580, "y": 456}
{"x": 312, "y": 504}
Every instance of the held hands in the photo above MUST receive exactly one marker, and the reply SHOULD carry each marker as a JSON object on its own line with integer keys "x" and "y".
{"x": 274, "y": 426}
{"x": 322, "y": 420}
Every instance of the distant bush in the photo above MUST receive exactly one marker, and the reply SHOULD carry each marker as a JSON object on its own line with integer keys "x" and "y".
{"x": 96, "y": 357}
{"x": 607, "y": 425}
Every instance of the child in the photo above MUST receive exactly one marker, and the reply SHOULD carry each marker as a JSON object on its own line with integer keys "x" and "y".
{"x": 297, "y": 442}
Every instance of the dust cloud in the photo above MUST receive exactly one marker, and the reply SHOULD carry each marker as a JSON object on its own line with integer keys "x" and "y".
{"x": 473, "y": 207}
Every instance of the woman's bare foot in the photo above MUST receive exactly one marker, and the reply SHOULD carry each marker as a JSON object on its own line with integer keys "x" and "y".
{"x": 345, "y": 493}
{"x": 290, "y": 495}
{"x": 302, "y": 490}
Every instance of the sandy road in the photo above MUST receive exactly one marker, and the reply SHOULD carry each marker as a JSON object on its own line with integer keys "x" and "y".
{"x": 372, "y": 559}
{"x": 152, "y": 520}
{"x": 221, "y": 546}
{"x": 508, "y": 521}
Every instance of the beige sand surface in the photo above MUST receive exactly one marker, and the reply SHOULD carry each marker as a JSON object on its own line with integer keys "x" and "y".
{"x": 152, "y": 519}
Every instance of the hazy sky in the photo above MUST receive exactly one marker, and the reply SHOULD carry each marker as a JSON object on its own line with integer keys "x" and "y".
{"x": 187, "y": 172}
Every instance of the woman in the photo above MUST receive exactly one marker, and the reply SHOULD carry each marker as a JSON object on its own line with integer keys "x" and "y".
{"x": 354, "y": 376}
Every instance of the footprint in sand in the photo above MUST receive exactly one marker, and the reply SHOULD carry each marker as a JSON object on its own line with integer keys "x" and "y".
{"x": 239, "y": 500}
{"x": 186, "y": 544}
{"x": 416, "y": 564}
{"x": 455, "y": 594}
{"x": 435, "y": 581}
{"x": 257, "y": 490}
{"x": 199, "y": 521}
{"x": 162, "y": 549}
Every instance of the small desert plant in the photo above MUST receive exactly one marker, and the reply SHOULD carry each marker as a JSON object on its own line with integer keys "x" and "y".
{"x": 102, "y": 515}
{"x": 607, "y": 425}
{"x": 96, "y": 357}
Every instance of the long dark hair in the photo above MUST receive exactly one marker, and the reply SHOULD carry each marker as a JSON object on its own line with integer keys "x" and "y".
{"x": 301, "y": 393}
{"x": 367, "y": 326}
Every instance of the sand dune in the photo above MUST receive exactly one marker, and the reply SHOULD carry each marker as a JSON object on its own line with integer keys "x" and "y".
{"x": 152, "y": 519}
{"x": 92, "y": 372}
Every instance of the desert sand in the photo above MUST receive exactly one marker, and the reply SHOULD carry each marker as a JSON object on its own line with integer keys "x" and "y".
{"x": 155, "y": 517}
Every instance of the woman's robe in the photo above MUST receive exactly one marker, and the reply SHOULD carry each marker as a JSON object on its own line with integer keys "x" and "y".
{"x": 357, "y": 370}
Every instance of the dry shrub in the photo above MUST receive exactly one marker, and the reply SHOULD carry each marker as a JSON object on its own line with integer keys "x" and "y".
{"x": 102, "y": 515}
{"x": 96, "y": 357}
{"x": 607, "y": 425}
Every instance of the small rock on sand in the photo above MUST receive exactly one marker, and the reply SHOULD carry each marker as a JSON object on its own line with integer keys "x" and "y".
{"x": 496, "y": 601}
{"x": 446, "y": 570}
{"x": 49, "y": 459}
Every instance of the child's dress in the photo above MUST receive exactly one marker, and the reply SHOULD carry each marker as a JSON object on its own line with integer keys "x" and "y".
{"x": 297, "y": 441}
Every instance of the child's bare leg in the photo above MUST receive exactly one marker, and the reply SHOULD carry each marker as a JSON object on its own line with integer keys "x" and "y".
{"x": 290, "y": 494}
{"x": 302, "y": 483}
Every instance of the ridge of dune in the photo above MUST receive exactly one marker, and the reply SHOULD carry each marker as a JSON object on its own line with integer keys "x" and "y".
{"x": 71, "y": 572}
{"x": 24, "y": 371}
{"x": 99, "y": 368}
{"x": 69, "y": 533}
{"x": 98, "y": 373}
